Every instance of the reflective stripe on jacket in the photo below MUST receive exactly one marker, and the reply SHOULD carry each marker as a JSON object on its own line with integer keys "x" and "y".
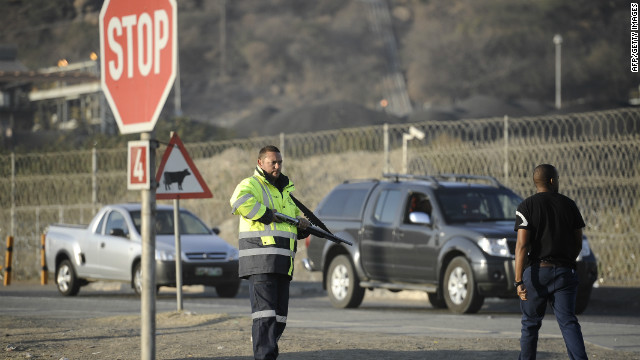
{"x": 264, "y": 248}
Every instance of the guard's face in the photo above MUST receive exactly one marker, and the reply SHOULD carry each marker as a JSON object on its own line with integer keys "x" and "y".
{"x": 271, "y": 164}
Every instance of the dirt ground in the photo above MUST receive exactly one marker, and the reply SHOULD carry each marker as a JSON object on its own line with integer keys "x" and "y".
{"x": 187, "y": 335}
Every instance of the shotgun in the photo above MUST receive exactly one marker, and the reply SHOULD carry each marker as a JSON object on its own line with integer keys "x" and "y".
{"x": 313, "y": 230}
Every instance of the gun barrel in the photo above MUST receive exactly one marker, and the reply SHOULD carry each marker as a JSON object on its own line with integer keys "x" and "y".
{"x": 313, "y": 230}
{"x": 289, "y": 219}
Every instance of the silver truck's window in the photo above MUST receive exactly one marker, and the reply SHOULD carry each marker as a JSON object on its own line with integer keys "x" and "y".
{"x": 189, "y": 224}
{"x": 116, "y": 221}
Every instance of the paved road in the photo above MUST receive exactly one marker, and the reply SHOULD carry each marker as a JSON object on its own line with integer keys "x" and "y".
{"x": 612, "y": 319}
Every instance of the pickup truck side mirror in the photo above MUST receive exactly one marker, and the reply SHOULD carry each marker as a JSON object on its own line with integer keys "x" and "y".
{"x": 216, "y": 230}
{"x": 118, "y": 232}
{"x": 420, "y": 218}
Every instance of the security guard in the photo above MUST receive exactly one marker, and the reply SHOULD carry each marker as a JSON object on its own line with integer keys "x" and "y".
{"x": 267, "y": 247}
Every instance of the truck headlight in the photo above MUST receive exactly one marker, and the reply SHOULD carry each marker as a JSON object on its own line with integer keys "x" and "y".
{"x": 496, "y": 247}
{"x": 232, "y": 254}
{"x": 162, "y": 255}
{"x": 586, "y": 250}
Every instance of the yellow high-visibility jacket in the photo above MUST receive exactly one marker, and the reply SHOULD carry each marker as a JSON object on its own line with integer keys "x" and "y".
{"x": 264, "y": 248}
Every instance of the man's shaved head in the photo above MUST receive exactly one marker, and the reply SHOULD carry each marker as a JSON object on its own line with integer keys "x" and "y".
{"x": 545, "y": 177}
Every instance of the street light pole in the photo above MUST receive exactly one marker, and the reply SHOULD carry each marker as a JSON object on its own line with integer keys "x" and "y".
{"x": 557, "y": 39}
{"x": 413, "y": 133}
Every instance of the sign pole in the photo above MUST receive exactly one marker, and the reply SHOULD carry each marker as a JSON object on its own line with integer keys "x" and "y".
{"x": 176, "y": 226}
{"x": 148, "y": 220}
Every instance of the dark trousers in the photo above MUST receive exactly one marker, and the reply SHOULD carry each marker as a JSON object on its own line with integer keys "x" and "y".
{"x": 269, "y": 296}
{"x": 557, "y": 286}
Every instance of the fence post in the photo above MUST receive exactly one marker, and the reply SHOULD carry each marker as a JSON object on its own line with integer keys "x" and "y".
{"x": 387, "y": 157}
{"x": 282, "y": 143}
{"x": 94, "y": 178}
{"x": 506, "y": 149}
{"x": 7, "y": 261}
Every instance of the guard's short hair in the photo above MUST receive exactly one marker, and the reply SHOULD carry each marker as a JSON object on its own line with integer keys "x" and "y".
{"x": 266, "y": 149}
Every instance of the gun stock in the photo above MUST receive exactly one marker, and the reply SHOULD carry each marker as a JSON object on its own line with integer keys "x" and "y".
{"x": 314, "y": 230}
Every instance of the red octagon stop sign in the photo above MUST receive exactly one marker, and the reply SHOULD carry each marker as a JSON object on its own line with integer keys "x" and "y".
{"x": 138, "y": 43}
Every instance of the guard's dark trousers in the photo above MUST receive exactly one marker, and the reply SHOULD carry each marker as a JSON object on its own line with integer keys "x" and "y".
{"x": 269, "y": 296}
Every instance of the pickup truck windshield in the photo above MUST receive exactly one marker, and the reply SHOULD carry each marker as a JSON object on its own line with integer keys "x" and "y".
{"x": 461, "y": 205}
{"x": 189, "y": 224}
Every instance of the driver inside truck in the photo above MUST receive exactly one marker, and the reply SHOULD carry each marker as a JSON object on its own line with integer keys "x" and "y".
{"x": 417, "y": 203}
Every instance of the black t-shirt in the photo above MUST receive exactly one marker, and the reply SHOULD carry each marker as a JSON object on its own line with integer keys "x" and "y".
{"x": 552, "y": 220}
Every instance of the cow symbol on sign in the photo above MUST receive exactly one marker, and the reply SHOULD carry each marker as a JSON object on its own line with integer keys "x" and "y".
{"x": 175, "y": 176}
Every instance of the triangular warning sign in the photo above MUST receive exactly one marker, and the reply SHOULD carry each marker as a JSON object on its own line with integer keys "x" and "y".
{"x": 178, "y": 177}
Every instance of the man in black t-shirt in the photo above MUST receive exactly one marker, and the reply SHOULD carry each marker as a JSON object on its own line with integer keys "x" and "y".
{"x": 549, "y": 227}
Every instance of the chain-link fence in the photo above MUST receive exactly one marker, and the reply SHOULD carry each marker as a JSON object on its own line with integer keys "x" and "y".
{"x": 597, "y": 155}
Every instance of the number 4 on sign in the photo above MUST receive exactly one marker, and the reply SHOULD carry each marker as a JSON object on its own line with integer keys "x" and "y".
{"x": 138, "y": 165}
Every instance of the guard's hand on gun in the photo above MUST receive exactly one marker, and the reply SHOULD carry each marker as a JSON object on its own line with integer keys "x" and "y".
{"x": 312, "y": 229}
{"x": 303, "y": 223}
{"x": 275, "y": 218}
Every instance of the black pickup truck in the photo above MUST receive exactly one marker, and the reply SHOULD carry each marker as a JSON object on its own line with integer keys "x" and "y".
{"x": 449, "y": 235}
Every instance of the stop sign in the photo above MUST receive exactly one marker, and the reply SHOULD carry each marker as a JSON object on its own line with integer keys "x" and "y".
{"x": 138, "y": 43}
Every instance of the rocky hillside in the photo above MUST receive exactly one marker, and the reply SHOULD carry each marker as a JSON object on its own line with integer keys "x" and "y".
{"x": 294, "y": 65}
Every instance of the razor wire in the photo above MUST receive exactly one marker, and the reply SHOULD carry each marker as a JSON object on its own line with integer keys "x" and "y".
{"x": 596, "y": 153}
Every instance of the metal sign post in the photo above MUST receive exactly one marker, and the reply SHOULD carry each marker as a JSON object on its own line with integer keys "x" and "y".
{"x": 148, "y": 233}
{"x": 176, "y": 166}
{"x": 138, "y": 62}
{"x": 176, "y": 231}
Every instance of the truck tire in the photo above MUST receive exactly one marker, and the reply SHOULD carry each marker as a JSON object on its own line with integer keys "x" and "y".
{"x": 343, "y": 285}
{"x": 459, "y": 288}
{"x": 582, "y": 299}
{"x": 228, "y": 290}
{"x": 136, "y": 279}
{"x": 436, "y": 300}
{"x": 66, "y": 279}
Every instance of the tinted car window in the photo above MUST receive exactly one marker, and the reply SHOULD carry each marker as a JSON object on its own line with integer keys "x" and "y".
{"x": 344, "y": 203}
{"x": 461, "y": 205}
{"x": 388, "y": 206}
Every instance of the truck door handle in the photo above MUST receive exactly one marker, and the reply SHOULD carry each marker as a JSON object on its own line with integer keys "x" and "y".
{"x": 102, "y": 245}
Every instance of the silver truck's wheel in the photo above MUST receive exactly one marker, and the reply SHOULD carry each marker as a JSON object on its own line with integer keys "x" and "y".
{"x": 460, "y": 290}
{"x": 66, "y": 280}
{"x": 343, "y": 284}
{"x": 136, "y": 280}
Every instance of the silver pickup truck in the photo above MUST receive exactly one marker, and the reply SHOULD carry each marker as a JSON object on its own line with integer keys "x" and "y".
{"x": 110, "y": 248}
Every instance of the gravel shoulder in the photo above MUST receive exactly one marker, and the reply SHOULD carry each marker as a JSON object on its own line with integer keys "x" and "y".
{"x": 185, "y": 335}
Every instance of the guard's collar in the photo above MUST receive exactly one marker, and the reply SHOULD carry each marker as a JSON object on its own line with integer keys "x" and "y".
{"x": 279, "y": 182}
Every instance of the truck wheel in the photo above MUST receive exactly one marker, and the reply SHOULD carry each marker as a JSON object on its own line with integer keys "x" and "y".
{"x": 228, "y": 290}
{"x": 437, "y": 301}
{"x": 136, "y": 280}
{"x": 460, "y": 290}
{"x": 343, "y": 284}
{"x": 66, "y": 279}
